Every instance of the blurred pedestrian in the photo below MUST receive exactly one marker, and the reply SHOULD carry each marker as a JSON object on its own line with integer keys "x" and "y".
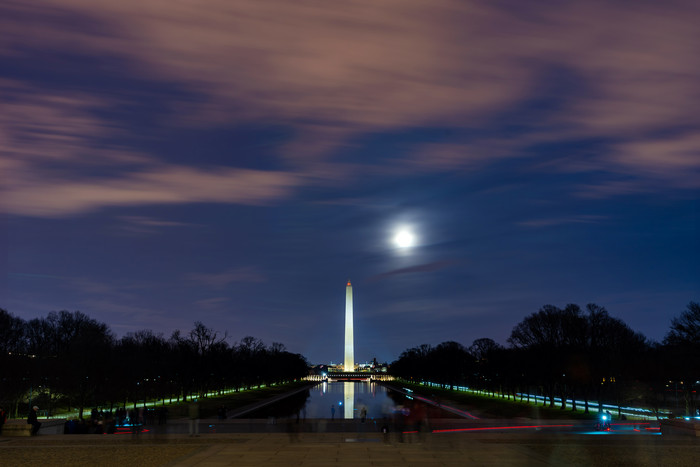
{"x": 385, "y": 430}
{"x": 194, "y": 418}
{"x": 162, "y": 415}
{"x": 3, "y": 418}
{"x": 33, "y": 421}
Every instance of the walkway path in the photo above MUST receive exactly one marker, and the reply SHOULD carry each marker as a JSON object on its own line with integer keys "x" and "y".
{"x": 347, "y": 449}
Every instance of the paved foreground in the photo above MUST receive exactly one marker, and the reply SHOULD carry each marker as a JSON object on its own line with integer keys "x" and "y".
{"x": 348, "y": 449}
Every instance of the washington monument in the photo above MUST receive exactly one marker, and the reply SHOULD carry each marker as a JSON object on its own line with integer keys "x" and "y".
{"x": 349, "y": 364}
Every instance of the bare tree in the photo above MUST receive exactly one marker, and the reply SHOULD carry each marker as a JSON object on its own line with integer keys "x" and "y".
{"x": 685, "y": 329}
{"x": 683, "y": 352}
{"x": 204, "y": 339}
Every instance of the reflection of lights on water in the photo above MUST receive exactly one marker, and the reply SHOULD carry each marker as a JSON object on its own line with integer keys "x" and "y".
{"x": 349, "y": 399}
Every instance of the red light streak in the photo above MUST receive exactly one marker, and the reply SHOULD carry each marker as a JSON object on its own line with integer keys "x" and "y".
{"x": 127, "y": 430}
{"x": 455, "y": 430}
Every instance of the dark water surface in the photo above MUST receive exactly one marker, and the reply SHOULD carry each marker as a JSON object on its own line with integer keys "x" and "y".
{"x": 350, "y": 399}
{"x": 335, "y": 400}
{"x": 347, "y": 401}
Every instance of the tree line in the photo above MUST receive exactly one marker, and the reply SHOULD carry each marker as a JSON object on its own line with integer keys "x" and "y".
{"x": 68, "y": 359}
{"x": 572, "y": 354}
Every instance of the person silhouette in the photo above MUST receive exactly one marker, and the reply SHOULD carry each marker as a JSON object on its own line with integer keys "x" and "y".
{"x": 32, "y": 420}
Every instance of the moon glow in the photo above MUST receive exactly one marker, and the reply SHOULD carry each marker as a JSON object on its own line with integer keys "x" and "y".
{"x": 404, "y": 239}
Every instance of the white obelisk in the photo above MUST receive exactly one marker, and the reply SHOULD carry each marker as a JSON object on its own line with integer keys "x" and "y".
{"x": 349, "y": 364}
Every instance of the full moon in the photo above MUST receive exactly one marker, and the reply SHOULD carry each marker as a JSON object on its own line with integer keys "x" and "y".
{"x": 404, "y": 239}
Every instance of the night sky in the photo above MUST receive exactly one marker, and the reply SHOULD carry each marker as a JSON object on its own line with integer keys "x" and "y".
{"x": 235, "y": 162}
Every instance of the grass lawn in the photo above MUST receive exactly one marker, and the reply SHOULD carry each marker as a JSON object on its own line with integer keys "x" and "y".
{"x": 495, "y": 407}
{"x": 209, "y": 406}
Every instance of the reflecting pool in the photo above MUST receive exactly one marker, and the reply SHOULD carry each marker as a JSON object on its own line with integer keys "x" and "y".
{"x": 334, "y": 400}
{"x": 349, "y": 399}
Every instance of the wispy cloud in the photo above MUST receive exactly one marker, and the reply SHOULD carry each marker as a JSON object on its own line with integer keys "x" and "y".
{"x": 674, "y": 160}
{"x": 223, "y": 279}
{"x": 552, "y": 221}
{"x": 128, "y": 317}
{"x": 333, "y": 72}
{"x": 427, "y": 267}
{"x": 49, "y": 127}
{"x": 213, "y": 302}
{"x": 473, "y": 155}
{"x": 142, "y": 225}
{"x": 48, "y": 139}
{"x": 213, "y": 305}
{"x": 166, "y": 184}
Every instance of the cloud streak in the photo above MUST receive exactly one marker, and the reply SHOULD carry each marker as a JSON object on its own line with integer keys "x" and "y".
{"x": 158, "y": 185}
{"x": 554, "y": 221}
{"x": 224, "y": 279}
{"x": 420, "y": 268}
{"x": 332, "y": 73}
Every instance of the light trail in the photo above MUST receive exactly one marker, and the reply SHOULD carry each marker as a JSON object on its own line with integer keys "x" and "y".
{"x": 491, "y": 428}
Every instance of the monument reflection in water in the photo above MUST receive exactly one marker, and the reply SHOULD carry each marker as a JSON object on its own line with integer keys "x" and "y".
{"x": 348, "y": 399}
